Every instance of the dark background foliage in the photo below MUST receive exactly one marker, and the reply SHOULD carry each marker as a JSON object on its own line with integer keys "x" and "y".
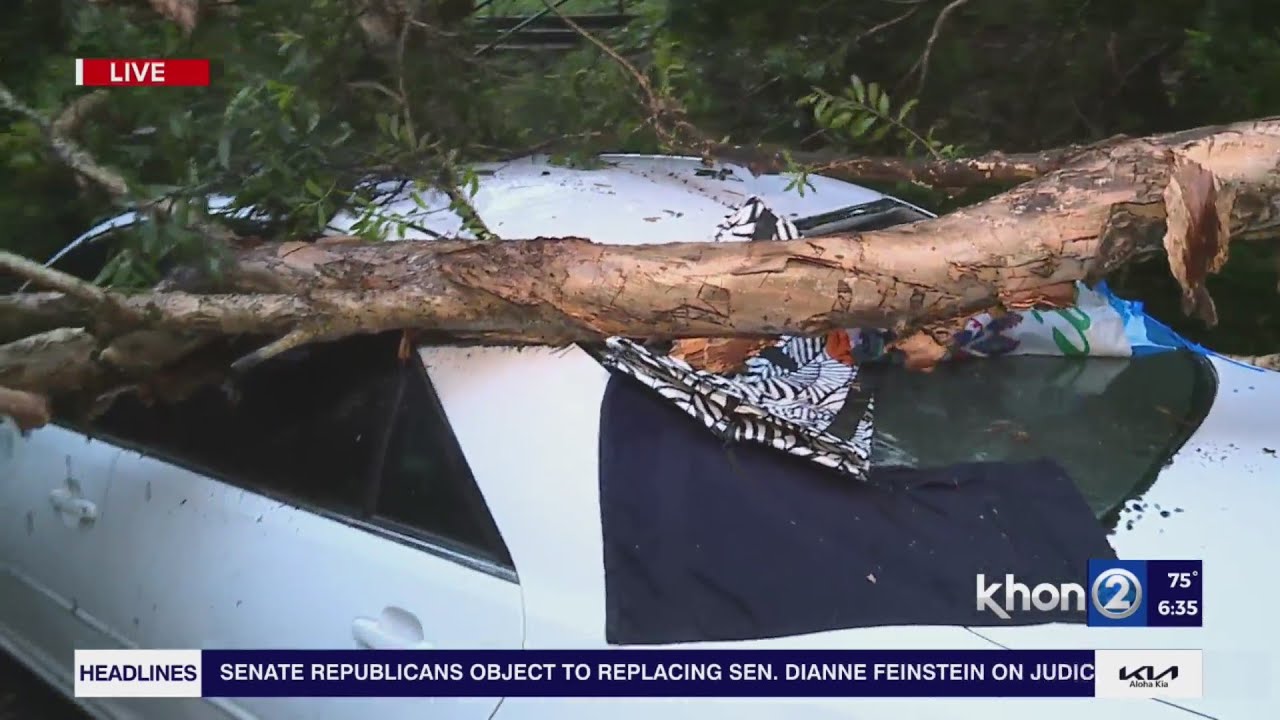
{"x": 303, "y": 105}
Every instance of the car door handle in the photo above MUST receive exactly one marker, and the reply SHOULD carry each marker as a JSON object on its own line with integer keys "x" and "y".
{"x": 72, "y": 506}
{"x": 394, "y": 629}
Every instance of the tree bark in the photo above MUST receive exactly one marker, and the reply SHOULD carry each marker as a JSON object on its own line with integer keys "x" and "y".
{"x": 1184, "y": 193}
{"x": 947, "y": 173}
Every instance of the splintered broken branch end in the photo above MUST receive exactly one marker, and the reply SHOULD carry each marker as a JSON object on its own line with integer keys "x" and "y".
{"x": 1197, "y": 233}
{"x": 297, "y": 338}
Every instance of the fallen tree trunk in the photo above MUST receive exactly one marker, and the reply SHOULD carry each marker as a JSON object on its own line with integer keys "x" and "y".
{"x": 942, "y": 173}
{"x": 1185, "y": 193}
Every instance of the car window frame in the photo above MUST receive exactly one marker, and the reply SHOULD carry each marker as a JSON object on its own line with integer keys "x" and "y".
{"x": 366, "y": 517}
{"x": 879, "y": 214}
{"x": 454, "y": 459}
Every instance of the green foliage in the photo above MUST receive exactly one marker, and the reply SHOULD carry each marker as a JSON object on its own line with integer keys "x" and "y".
{"x": 1232, "y": 59}
{"x": 863, "y": 117}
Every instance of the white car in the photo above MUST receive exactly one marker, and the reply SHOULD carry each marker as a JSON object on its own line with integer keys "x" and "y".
{"x": 487, "y": 498}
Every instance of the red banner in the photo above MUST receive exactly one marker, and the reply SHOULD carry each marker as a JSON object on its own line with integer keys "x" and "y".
{"x": 133, "y": 72}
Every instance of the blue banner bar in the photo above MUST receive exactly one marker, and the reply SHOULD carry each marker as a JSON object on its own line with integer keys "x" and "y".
{"x": 647, "y": 673}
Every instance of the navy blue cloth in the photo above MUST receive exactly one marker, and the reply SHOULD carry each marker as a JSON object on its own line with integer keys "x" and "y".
{"x": 704, "y": 541}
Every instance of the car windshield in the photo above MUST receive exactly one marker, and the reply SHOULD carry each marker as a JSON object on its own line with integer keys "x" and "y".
{"x": 1111, "y": 423}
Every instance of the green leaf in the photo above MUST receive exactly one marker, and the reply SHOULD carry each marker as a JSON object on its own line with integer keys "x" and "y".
{"x": 883, "y": 105}
{"x": 820, "y": 110}
{"x": 123, "y": 270}
{"x": 859, "y": 90}
{"x": 863, "y": 124}
{"x": 108, "y": 270}
{"x": 841, "y": 119}
{"x": 224, "y": 151}
{"x": 881, "y": 133}
{"x": 873, "y": 95}
{"x": 906, "y": 109}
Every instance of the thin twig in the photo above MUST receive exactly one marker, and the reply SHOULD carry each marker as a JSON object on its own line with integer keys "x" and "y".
{"x": 373, "y": 85}
{"x": 404, "y": 92}
{"x": 887, "y": 24}
{"x": 661, "y": 110}
{"x": 922, "y": 64}
{"x": 643, "y": 82}
{"x": 297, "y": 338}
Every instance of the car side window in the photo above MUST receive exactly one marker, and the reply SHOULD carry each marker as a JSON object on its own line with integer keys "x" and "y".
{"x": 303, "y": 425}
{"x": 425, "y": 485}
{"x": 345, "y": 427}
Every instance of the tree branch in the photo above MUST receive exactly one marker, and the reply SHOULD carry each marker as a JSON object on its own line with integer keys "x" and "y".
{"x": 66, "y": 150}
{"x": 1079, "y": 222}
{"x": 106, "y": 303}
{"x": 77, "y": 111}
{"x": 82, "y": 162}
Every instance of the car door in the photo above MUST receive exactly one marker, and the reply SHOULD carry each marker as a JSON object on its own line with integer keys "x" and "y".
{"x": 321, "y": 502}
{"x": 54, "y": 487}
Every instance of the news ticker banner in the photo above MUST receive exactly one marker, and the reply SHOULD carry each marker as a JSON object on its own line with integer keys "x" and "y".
{"x": 147, "y": 72}
{"x": 637, "y": 673}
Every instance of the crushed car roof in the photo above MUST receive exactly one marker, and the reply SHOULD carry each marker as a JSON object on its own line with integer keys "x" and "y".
{"x": 627, "y": 199}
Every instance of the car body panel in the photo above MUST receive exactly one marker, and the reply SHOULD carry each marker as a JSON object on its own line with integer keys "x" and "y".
{"x": 50, "y": 582}
{"x": 241, "y": 570}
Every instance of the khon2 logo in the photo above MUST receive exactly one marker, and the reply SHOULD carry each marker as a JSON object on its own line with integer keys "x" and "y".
{"x": 1119, "y": 593}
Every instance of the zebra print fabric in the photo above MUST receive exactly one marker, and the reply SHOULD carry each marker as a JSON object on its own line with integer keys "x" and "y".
{"x": 799, "y": 395}
{"x": 754, "y": 221}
